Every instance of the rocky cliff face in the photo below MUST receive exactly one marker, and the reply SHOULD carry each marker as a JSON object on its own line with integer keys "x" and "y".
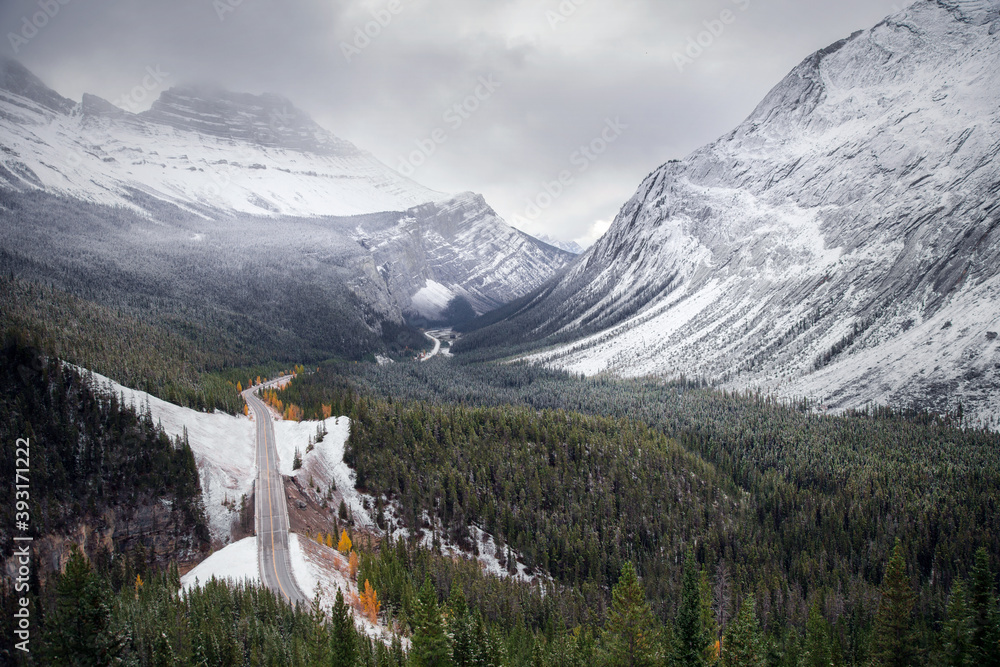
{"x": 842, "y": 244}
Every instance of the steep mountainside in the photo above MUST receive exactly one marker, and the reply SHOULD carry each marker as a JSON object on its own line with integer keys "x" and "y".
{"x": 842, "y": 244}
{"x": 460, "y": 247}
{"x": 232, "y": 169}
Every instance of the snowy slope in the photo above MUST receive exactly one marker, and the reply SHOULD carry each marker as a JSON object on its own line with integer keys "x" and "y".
{"x": 843, "y": 243}
{"x": 223, "y": 448}
{"x": 196, "y": 147}
{"x": 236, "y": 563}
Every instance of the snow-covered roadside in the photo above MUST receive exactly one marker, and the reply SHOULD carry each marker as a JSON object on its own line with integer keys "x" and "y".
{"x": 324, "y": 463}
{"x": 223, "y": 448}
{"x": 322, "y": 569}
{"x": 236, "y": 563}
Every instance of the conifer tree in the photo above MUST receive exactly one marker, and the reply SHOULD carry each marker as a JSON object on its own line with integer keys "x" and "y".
{"x": 343, "y": 651}
{"x": 460, "y": 626}
{"x": 984, "y": 617}
{"x": 708, "y": 622}
{"x": 893, "y": 641}
{"x": 430, "y": 646}
{"x": 77, "y": 630}
{"x": 690, "y": 635}
{"x": 816, "y": 652}
{"x": 631, "y": 626}
{"x": 743, "y": 645}
{"x": 956, "y": 637}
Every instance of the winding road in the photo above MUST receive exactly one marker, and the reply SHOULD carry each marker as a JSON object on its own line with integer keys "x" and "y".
{"x": 271, "y": 511}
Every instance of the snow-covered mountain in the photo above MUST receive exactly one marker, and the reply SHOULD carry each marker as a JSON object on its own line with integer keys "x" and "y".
{"x": 218, "y": 155}
{"x": 841, "y": 244}
{"x": 437, "y": 251}
{"x": 568, "y": 246}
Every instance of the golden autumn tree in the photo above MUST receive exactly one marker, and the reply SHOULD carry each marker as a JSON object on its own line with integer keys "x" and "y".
{"x": 344, "y": 545}
{"x": 370, "y": 603}
{"x": 239, "y": 387}
{"x": 329, "y": 540}
{"x": 327, "y": 411}
{"x": 352, "y": 565}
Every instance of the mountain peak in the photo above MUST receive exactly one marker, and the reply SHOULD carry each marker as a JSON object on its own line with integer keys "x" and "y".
{"x": 267, "y": 120}
{"x": 16, "y": 78}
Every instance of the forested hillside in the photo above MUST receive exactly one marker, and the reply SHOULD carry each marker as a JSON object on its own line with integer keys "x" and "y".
{"x": 233, "y": 291}
{"x": 101, "y": 474}
{"x": 782, "y": 506}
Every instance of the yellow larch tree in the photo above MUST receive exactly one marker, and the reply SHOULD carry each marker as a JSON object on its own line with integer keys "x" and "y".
{"x": 369, "y": 602}
{"x": 352, "y": 565}
{"x": 344, "y": 546}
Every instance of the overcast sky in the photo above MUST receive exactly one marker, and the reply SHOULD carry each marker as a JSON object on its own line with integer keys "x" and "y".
{"x": 558, "y": 72}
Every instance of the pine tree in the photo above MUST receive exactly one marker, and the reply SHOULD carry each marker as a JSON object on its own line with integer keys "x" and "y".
{"x": 708, "y": 623}
{"x": 430, "y": 646}
{"x": 743, "y": 645}
{"x": 461, "y": 629}
{"x": 984, "y": 616}
{"x": 343, "y": 650}
{"x": 893, "y": 641}
{"x": 817, "y": 652}
{"x": 690, "y": 635}
{"x": 77, "y": 630}
{"x": 631, "y": 626}
{"x": 956, "y": 637}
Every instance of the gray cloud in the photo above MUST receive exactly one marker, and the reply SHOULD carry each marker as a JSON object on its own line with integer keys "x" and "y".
{"x": 564, "y": 68}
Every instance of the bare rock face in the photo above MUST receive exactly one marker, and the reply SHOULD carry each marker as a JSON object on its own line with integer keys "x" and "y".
{"x": 152, "y": 526}
{"x": 841, "y": 244}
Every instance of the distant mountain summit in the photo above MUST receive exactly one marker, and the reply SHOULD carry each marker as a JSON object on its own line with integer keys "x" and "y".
{"x": 267, "y": 120}
{"x": 842, "y": 244}
{"x": 206, "y": 153}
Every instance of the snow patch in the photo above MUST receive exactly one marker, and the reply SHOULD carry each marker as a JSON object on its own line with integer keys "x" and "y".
{"x": 236, "y": 563}
{"x": 431, "y": 299}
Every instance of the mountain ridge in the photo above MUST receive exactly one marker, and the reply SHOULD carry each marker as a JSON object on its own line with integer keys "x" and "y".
{"x": 213, "y": 164}
{"x": 840, "y": 244}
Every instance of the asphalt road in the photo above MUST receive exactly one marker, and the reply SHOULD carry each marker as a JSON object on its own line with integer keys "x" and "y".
{"x": 271, "y": 510}
{"x": 437, "y": 347}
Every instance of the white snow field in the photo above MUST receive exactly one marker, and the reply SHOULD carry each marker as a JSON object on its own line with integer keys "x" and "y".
{"x": 236, "y": 562}
{"x": 223, "y": 448}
